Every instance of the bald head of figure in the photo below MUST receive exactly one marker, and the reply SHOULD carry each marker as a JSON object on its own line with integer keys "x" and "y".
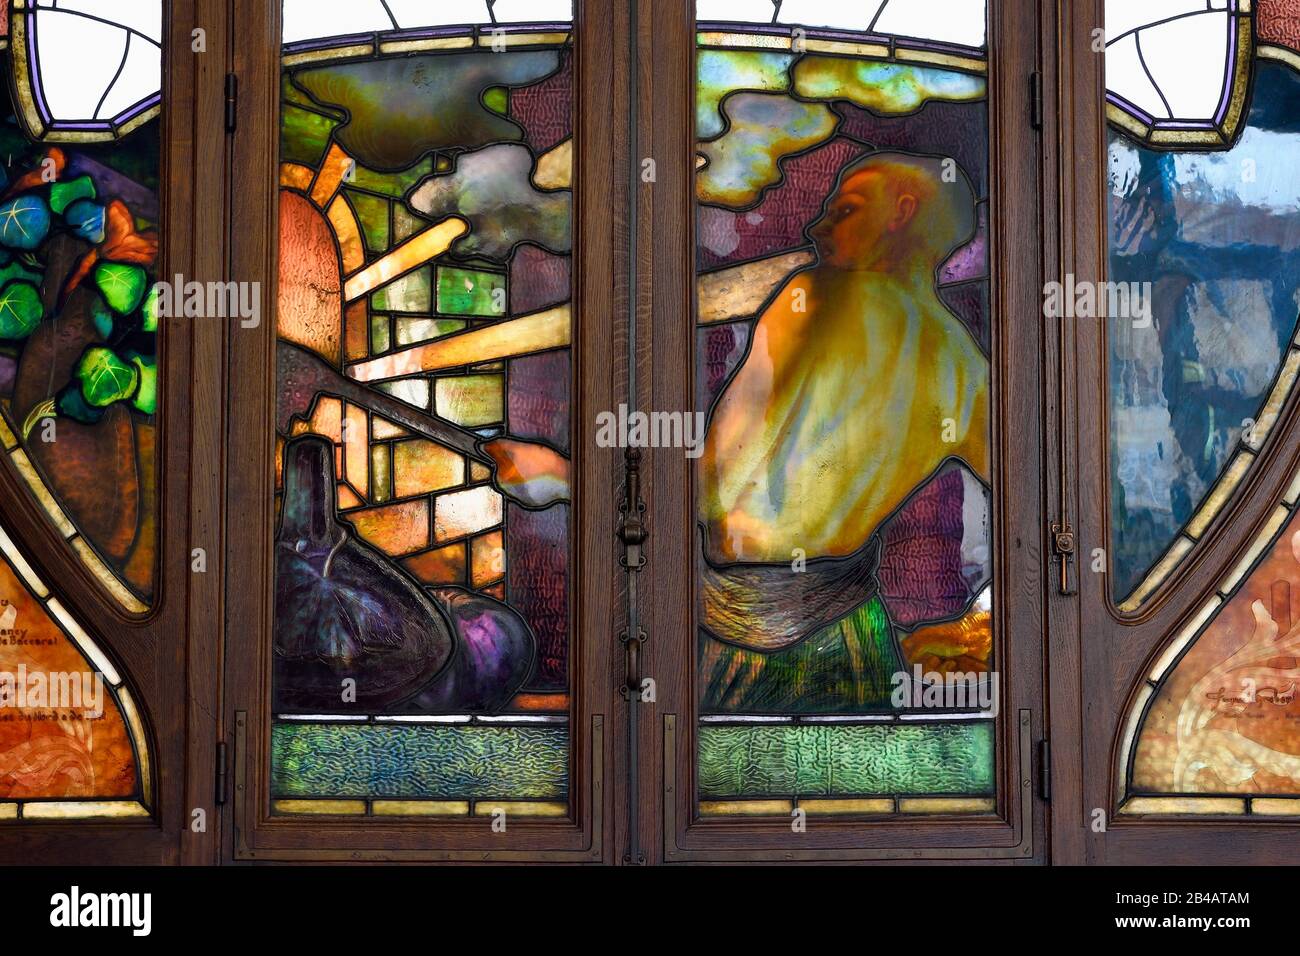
{"x": 894, "y": 212}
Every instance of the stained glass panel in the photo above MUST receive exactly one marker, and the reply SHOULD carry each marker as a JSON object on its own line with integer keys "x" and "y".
{"x": 1217, "y": 714}
{"x": 845, "y": 657}
{"x": 1156, "y": 90}
{"x": 1211, "y": 226}
{"x": 422, "y": 647}
{"x": 87, "y": 69}
{"x": 79, "y": 250}
{"x": 72, "y": 744}
{"x": 1202, "y": 247}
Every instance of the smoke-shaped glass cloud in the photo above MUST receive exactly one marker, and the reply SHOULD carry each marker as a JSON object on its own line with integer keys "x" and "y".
{"x": 399, "y": 109}
{"x": 492, "y": 189}
{"x": 889, "y": 89}
{"x": 763, "y": 128}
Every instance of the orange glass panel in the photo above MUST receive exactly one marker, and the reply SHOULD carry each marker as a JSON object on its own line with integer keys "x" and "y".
{"x": 357, "y": 331}
{"x": 326, "y": 420}
{"x": 294, "y": 176}
{"x": 332, "y": 170}
{"x": 439, "y": 566}
{"x": 488, "y": 559}
{"x": 530, "y": 333}
{"x": 348, "y": 234}
{"x": 61, "y": 732}
{"x": 421, "y": 466}
{"x": 1226, "y": 718}
{"x": 309, "y": 297}
{"x": 395, "y": 529}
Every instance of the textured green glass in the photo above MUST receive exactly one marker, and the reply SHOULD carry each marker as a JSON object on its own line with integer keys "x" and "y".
{"x": 304, "y": 135}
{"x": 395, "y": 184}
{"x": 380, "y": 335}
{"x": 846, "y": 760}
{"x": 470, "y": 292}
{"x": 420, "y": 761}
{"x": 497, "y": 99}
{"x": 470, "y": 400}
{"x": 844, "y": 667}
{"x": 410, "y": 293}
{"x": 372, "y": 213}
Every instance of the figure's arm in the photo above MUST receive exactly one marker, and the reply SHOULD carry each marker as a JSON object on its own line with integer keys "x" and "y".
{"x": 529, "y": 473}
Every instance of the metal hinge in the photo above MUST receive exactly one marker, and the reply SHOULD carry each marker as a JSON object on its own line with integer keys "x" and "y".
{"x": 631, "y": 525}
{"x": 1045, "y": 770}
{"x": 222, "y": 763}
{"x": 232, "y": 101}
{"x": 631, "y": 688}
{"x": 1063, "y": 546}
{"x": 1036, "y": 100}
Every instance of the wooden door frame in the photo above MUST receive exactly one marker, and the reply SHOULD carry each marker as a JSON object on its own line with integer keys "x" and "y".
{"x": 669, "y": 830}
{"x": 1097, "y": 656}
{"x": 253, "y": 834}
{"x": 168, "y": 655}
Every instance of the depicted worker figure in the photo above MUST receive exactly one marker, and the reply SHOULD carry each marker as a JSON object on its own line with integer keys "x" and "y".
{"x": 859, "y": 383}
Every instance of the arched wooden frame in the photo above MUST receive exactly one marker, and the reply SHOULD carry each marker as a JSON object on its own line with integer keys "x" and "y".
{"x": 1098, "y": 659}
{"x": 166, "y": 655}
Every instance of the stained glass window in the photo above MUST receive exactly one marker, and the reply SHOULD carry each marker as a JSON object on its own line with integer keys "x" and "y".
{"x": 1213, "y": 727}
{"x": 78, "y": 390}
{"x": 1204, "y": 229}
{"x": 422, "y": 643}
{"x": 1213, "y": 223}
{"x": 72, "y": 744}
{"x": 87, "y": 69}
{"x": 845, "y": 656}
{"x": 78, "y": 254}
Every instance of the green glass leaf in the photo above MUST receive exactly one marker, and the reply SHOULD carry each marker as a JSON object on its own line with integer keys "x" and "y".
{"x": 123, "y": 286}
{"x": 106, "y": 378}
{"x": 24, "y": 222}
{"x": 149, "y": 310}
{"x": 62, "y": 195}
{"x": 146, "y": 397}
{"x": 20, "y": 310}
{"x": 71, "y": 405}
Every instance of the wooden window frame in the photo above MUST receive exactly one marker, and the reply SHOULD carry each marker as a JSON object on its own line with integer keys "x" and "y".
{"x": 671, "y": 832}
{"x": 168, "y": 655}
{"x": 199, "y": 662}
{"x": 253, "y": 833}
{"x": 1098, "y": 656}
